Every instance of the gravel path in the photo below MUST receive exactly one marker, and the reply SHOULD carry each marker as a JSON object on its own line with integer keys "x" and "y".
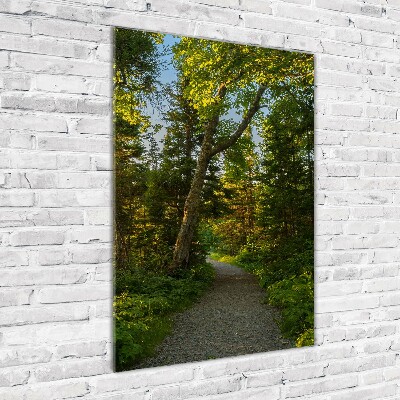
{"x": 229, "y": 320}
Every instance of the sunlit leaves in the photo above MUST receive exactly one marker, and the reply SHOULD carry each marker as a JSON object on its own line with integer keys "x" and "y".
{"x": 208, "y": 65}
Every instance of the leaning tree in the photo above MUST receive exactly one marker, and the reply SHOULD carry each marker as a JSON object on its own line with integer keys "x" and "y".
{"x": 230, "y": 87}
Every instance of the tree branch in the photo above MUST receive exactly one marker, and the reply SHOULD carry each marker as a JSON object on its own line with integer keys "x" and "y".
{"x": 255, "y": 106}
{"x": 212, "y": 123}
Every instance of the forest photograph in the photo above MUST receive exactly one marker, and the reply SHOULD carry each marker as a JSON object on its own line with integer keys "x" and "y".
{"x": 213, "y": 199}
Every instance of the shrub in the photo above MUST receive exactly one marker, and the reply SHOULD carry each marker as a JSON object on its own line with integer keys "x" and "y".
{"x": 295, "y": 297}
{"x": 143, "y": 307}
{"x": 306, "y": 338}
{"x": 139, "y": 327}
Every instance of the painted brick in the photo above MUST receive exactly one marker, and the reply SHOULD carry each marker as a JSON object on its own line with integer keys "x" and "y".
{"x": 157, "y": 377}
{"x": 353, "y": 317}
{"x": 12, "y": 393}
{"x": 124, "y": 5}
{"x": 9, "y": 377}
{"x": 46, "y": 46}
{"x": 329, "y": 289}
{"x": 359, "y": 302}
{"x": 37, "y": 315}
{"x": 94, "y": 126}
{"x": 53, "y": 334}
{"x": 72, "y": 144}
{"x": 273, "y": 393}
{"x": 89, "y": 235}
{"x": 298, "y": 374}
{"x": 14, "y": 297}
{"x": 33, "y": 122}
{"x": 70, "y": 30}
{"x": 34, "y": 238}
{"x": 19, "y": 7}
{"x": 338, "y": 79}
{"x": 13, "y": 258}
{"x": 61, "y": 11}
{"x": 370, "y": 362}
{"x": 53, "y": 257}
{"x": 199, "y": 12}
{"x": 68, "y": 84}
{"x": 338, "y": 6}
{"x": 65, "y": 198}
{"x": 51, "y": 217}
{"x": 126, "y": 395}
{"x": 17, "y": 101}
{"x": 103, "y": 163}
{"x": 50, "y": 276}
{"x": 258, "y": 6}
{"x": 102, "y": 309}
{"x": 67, "y": 389}
{"x": 16, "y": 81}
{"x": 16, "y": 140}
{"x": 73, "y": 162}
{"x": 100, "y": 107}
{"x": 104, "y": 273}
{"x": 264, "y": 379}
{"x": 81, "y": 349}
{"x": 73, "y": 293}
{"x": 26, "y": 199}
{"x": 24, "y": 356}
{"x": 324, "y": 385}
{"x": 14, "y": 25}
{"x": 70, "y": 369}
{"x": 90, "y": 255}
{"x": 58, "y": 65}
{"x": 100, "y": 216}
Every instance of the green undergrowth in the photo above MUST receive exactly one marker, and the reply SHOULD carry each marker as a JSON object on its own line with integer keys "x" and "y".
{"x": 143, "y": 307}
{"x": 286, "y": 272}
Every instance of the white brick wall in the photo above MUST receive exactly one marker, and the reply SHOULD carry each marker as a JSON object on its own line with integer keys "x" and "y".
{"x": 56, "y": 201}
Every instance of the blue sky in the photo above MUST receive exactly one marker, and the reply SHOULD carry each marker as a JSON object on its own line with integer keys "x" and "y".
{"x": 168, "y": 75}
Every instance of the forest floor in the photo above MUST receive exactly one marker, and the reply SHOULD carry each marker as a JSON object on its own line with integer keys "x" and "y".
{"x": 231, "y": 319}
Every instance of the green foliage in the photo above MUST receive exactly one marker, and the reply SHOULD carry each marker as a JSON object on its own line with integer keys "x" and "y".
{"x": 293, "y": 257}
{"x": 135, "y": 71}
{"x": 143, "y": 306}
{"x": 295, "y": 297}
{"x": 139, "y": 327}
{"x": 287, "y": 172}
{"x": 241, "y": 69}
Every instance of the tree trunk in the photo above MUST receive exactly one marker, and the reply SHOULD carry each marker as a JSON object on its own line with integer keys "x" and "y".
{"x": 192, "y": 207}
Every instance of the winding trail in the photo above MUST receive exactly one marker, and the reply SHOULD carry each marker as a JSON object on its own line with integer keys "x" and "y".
{"x": 229, "y": 320}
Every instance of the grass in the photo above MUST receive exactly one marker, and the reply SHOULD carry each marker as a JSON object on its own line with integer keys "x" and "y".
{"x": 224, "y": 258}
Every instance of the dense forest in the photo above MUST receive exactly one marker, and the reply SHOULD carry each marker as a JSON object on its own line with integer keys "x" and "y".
{"x": 217, "y": 162}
